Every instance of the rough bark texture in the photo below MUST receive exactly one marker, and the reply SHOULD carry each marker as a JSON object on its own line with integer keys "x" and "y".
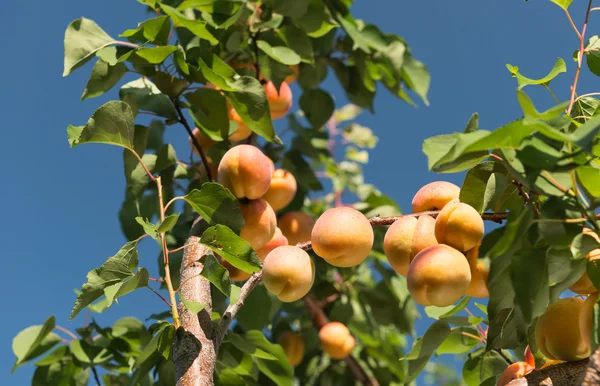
{"x": 194, "y": 351}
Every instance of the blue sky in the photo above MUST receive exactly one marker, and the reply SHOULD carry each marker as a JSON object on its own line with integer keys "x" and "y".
{"x": 60, "y": 205}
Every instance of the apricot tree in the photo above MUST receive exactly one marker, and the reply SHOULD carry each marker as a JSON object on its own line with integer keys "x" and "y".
{"x": 270, "y": 280}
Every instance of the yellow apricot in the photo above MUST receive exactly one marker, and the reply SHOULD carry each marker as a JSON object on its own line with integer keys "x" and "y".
{"x": 586, "y": 318}
{"x": 282, "y": 189}
{"x": 514, "y": 371}
{"x": 260, "y": 223}
{"x": 296, "y": 227}
{"x": 557, "y": 332}
{"x": 584, "y": 285}
{"x": 459, "y": 225}
{"x": 245, "y": 171}
{"x": 434, "y": 196}
{"x": 277, "y": 241}
{"x": 336, "y": 340}
{"x": 280, "y": 101}
{"x": 293, "y": 347}
{"x": 438, "y": 275}
{"x": 288, "y": 273}
{"x": 479, "y": 275}
{"x": 342, "y": 236}
{"x": 406, "y": 237}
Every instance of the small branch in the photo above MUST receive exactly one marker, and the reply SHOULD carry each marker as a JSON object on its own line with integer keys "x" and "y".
{"x": 563, "y": 374}
{"x": 572, "y": 24}
{"x": 579, "y": 57}
{"x": 156, "y": 280}
{"x": 66, "y": 331}
{"x": 87, "y": 316}
{"x": 143, "y": 165}
{"x": 96, "y": 377}
{"x": 172, "y": 201}
{"x": 233, "y": 309}
{"x": 329, "y": 299}
{"x": 176, "y": 249}
{"x": 507, "y": 359}
{"x": 185, "y": 124}
{"x": 160, "y": 296}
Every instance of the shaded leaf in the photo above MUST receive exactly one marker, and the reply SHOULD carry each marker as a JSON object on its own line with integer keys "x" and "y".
{"x": 83, "y": 38}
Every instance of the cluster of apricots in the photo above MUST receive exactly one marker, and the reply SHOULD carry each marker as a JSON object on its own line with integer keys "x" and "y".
{"x": 439, "y": 256}
{"x": 563, "y": 332}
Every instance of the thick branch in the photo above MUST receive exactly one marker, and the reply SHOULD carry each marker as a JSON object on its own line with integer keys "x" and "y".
{"x": 233, "y": 309}
{"x": 319, "y": 320}
{"x": 193, "y": 352}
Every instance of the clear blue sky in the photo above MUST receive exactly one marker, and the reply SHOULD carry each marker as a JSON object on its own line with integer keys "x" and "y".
{"x": 60, "y": 205}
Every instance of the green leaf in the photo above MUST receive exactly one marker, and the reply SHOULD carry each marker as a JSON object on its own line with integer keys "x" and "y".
{"x": 445, "y": 312}
{"x": 115, "y": 291}
{"x": 165, "y": 342}
{"x": 156, "y": 55}
{"x": 279, "y": 370}
{"x": 149, "y": 228}
{"x": 359, "y": 135}
{"x": 559, "y": 67}
{"x": 417, "y": 77}
{"x": 479, "y": 189}
{"x": 152, "y": 346}
{"x": 482, "y": 365}
{"x": 246, "y": 346}
{"x": 216, "y": 205}
{"x": 170, "y": 84}
{"x": 295, "y": 164}
{"x": 593, "y": 54}
{"x": 112, "y": 124}
{"x": 153, "y": 30}
{"x": 290, "y": 8}
{"x": 530, "y": 110}
{"x": 232, "y": 248}
{"x": 281, "y": 54}
{"x": 529, "y": 275}
{"x": 113, "y": 271}
{"x": 259, "y": 298}
{"x": 209, "y": 109}
{"x": 103, "y": 78}
{"x": 196, "y": 27}
{"x": 318, "y": 106}
{"x": 298, "y": 41}
{"x": 55, "y": 355}
{"x": 142, "y": 94}
{"x": 458, "y": 342}
{"x": 564, "y": 4}
{"x": 89, "y": 354}
{"x": 168, "y": 223}
{"x": 192, "y": 307}
{"x": 83, "y": 38}
{"x": 216, "y": 274}
{"x": 33, "y": 342}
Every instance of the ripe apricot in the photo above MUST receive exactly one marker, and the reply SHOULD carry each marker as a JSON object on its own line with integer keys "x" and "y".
{"x": 203, "y": 140}
{"x": 439, "y": 275}
{"x": 459, "y": 225}
{"x": 557, "y": 332}
{"x": 292, "y": 78}
{"x": 288, "y": 273}
{"x": 280, "y": 101}
{"x": 586, "y": 318}
{"x": 245, "y": 171}
{"x": 342, "y": 236}
{"x": 434, "y": 196}
{"x": 479, "y": 275}
{"x": 282, "y": 189}
{"x": 584, "y": 285}
{"x": 278, "y": 240}
{"x": 260, "y": 223}
{"x": 514, "y": 371}
{"x": 296, "y": 227}
{"x": 293, "y": 347}
{"x": 406, "y": 237}
{"x": 243, "y": 131}
{"x": 336, "y": 340}
{"x": 235, "y": 274}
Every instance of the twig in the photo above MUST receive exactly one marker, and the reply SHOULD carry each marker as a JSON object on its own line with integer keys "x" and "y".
{"x": 579, "y": 57}
{"x": 87, "y": 316}
{"x": 156, "y": 280}
{"x": 572, "y": 24}
{"x": 160, "y": 296}
{"x": 96, "y": 377}
{"x": 183, "y": 121}
{"x": 329, "y": 299}
{"x": 507, "y": 359}
{"x": 232, "y": 309}
{"x": 66, "y": 331}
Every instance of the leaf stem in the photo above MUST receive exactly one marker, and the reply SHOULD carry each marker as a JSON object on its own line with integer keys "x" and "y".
{"x": 572, "y": 24}
{"x": 172, "y": 201}
{"x": 66, "y": 331}
{"x": 579, "y": 56}
{"x": 96, "y": 377}
{"x": 160, "y": 296}
{"x": 143, "y": 164}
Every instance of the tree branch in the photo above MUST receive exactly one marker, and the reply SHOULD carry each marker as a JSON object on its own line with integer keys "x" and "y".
{"x": 563, "y": 374}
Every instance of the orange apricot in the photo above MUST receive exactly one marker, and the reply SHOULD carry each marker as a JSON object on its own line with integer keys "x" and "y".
{"x": 459, "y": 225}
{"x": 439, "y": 275}
{"x": 243, "y": 131}
{"x": 235, "y": 274}
{"x": 282, "y": 189}
{"x": 292, "y": 78}
{"x": 260, "y": 223}
{"x": 342, "y": 236}
{"x": 203, "y": 140}
{"x": 558, "y": 334}
{"x": 293, "y": 347}
{"x": 277, "y": 241}
{"x": 280, "y": 101}
{"x": 528, "y": 357}
{"x": 514, "y": 371}
{"x": 406, "y": 237}
{"x": 336, "y": 340}
{"x": 434, "y": 196}
{"x": 245, "y": 171}
{"x": 586, "y": 318}
{"x": 584, "y": 285}
{"x": 296, "y": 227}
{"x": 288, "y": 273}
{"x": 479, "y": 275}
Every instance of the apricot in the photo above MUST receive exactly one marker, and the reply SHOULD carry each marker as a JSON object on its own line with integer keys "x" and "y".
{"x": 280, "y": 101}
{"x": 245, "y": 171}
{"x": 243, "y": 131}
{"x": 292, "y": 78}
{"x": 528, "y": 357}
{"x": 406, "y": 237}
{"x": 203, "y": 140}
{"x": 479, "y": 275}
{"x": 586, "y": 318}
{"x": 277, "y": 241}
{"x": 293, "y": 347}
{"x": 296, "y": 227}
{"x": 439, "y": 275}
{"x": 336, "y": 340}
{"x": 282, "y": 189}
{"x": 558, "y": 334}
{"x": 288, "y": 273}
{"x": 459, "y": 225}
{"x": 235, "y": 274}
{"x": 584, "y": 285}
{"x": 260, "y": 223}
{"x": 342, "y": 236}
{"x": 514, "y": 371}
{"x": 434, "y": 196}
